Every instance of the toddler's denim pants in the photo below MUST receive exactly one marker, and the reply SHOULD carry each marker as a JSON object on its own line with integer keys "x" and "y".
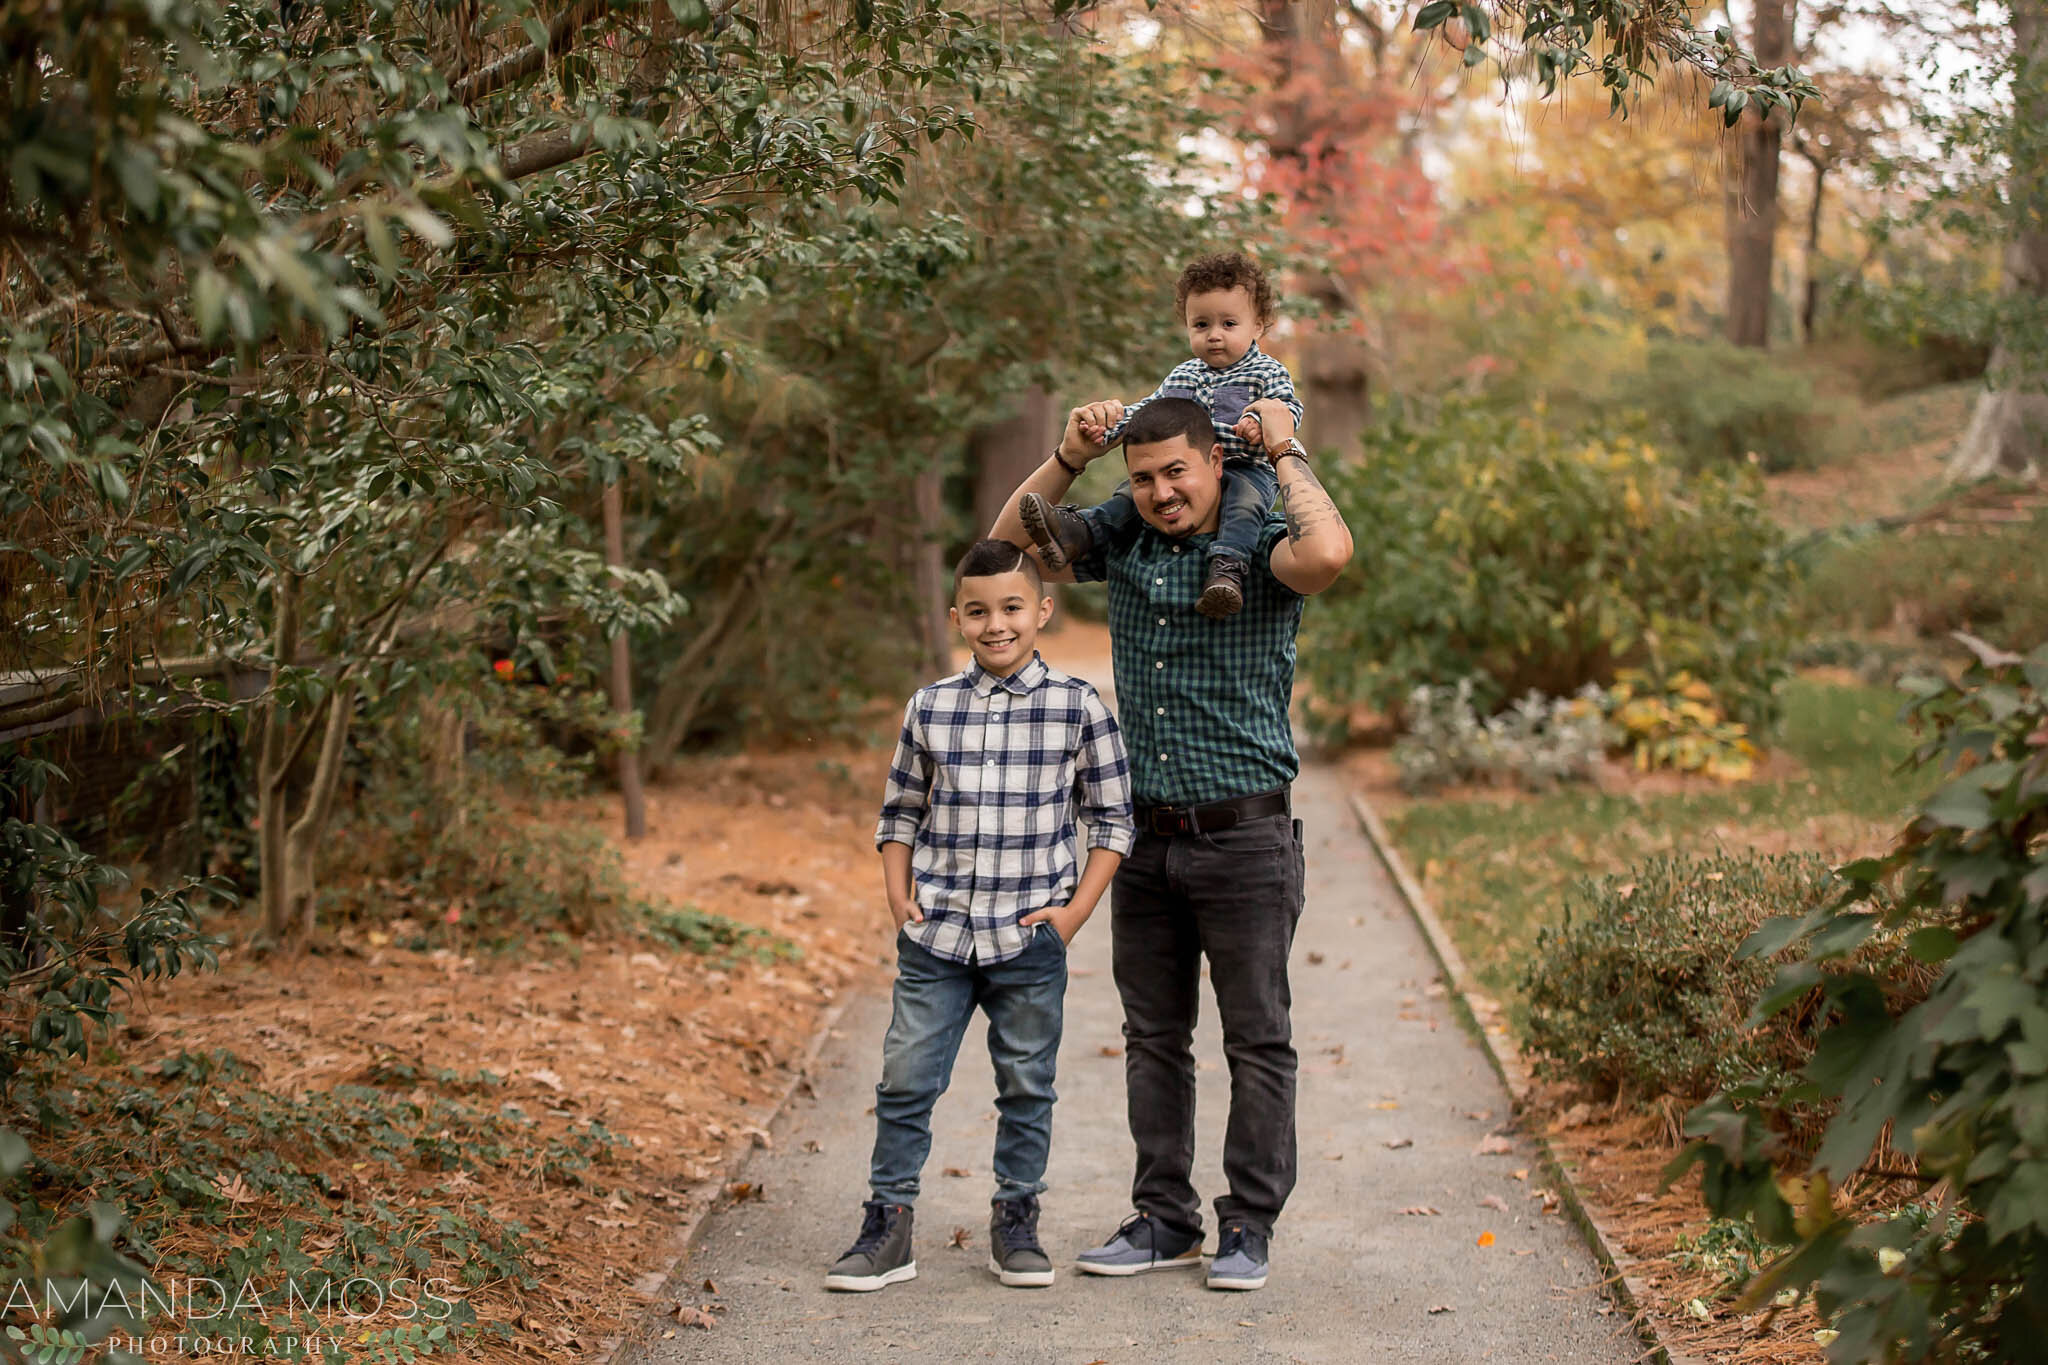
{"x": 934, "y": 1000}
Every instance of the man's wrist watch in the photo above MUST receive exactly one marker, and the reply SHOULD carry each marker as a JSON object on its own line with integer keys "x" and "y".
{"x": 1290, "y": 446}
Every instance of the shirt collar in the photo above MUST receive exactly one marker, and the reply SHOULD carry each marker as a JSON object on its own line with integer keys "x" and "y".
{"x": 1024, "y": 680}
{"x": 1250, "y": 354}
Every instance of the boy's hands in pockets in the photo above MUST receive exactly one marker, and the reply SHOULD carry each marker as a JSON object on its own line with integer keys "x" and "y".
{"x": 905, "y": 912}
{"x": 1065, "y": 919}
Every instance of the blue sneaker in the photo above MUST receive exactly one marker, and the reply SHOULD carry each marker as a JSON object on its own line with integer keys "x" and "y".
{"x": 1240, "y": 1261}
{"x": 1141, "y": 1244}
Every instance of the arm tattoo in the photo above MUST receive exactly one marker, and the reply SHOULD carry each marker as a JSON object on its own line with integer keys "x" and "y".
{"x": 1304, "y": 504}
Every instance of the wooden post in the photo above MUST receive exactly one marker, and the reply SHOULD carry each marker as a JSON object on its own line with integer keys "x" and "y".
{"x": 633, "y": 795}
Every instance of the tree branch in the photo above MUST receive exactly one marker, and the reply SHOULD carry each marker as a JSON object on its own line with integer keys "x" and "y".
{"x": 508, "y": 70}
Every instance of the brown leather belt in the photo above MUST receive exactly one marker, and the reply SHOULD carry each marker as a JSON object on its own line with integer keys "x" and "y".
{"x": 1214, "y": 815}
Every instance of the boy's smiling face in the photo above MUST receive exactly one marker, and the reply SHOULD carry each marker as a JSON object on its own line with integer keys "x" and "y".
{"x": 1000, "y": 616}
{"x": 1222, "y": 325}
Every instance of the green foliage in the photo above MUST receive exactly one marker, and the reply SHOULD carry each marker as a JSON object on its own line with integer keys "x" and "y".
{"x": 66, "y": 952}
{"x": 724, "y": 940}
{"x": 1538, "y": 742}
{"x": 1641, "y": 989}
{"x": 1958, "y": 1084}
{"x": 1729, "y": 1249}
{"x": 1715, "y": 404}
{"x": 195, "y": 1144}
{"x": 1988, "y": 579}
{"x": 1504, "y": 550}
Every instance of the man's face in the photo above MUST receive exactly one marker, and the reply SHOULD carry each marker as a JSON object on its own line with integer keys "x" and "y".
{"x": 1178, "y": 489}
{"x": 1222, "y": 325}
{"x": 999, "y": 616}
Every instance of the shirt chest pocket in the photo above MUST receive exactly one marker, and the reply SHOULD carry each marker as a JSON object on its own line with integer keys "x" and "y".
{"x": 1228, "y": 403}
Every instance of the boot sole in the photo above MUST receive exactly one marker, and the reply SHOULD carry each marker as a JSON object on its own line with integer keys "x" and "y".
{"x": 1041, "y": 532}
{"x": 1220, "y": 601}
{"x": 1193, "y": 1258}
{"x": 868, "y": 1284}
{"x": 1020, "y": 1279}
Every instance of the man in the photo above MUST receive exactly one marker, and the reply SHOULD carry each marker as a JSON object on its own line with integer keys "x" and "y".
{"x": 1217, "y": 867}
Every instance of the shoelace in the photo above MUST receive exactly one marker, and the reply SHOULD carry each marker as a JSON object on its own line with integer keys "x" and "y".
{"x": 1131, "y": 1224}
{"x": 1230, "y": 1241}
{"x": 874, "y": 1229}
{"x": 1015, "y": 1227}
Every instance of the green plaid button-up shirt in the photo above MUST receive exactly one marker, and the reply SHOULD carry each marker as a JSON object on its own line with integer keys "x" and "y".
{"x": 1203, "y": 703}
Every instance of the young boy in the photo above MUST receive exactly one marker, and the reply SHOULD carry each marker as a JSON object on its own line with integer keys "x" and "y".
{"x": 1227, "y": 305}
{"x": 977, "y": 840}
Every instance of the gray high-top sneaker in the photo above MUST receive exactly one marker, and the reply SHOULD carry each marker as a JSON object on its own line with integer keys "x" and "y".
{"x": 1141, "y": 1244}
{"x": 880, "y": 1256}
{"x": 1013, "y": 1251}
{"x": 1240, "y": 1261}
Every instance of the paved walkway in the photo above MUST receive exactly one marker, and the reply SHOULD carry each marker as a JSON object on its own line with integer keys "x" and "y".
{"x": 1396, "y": 1102}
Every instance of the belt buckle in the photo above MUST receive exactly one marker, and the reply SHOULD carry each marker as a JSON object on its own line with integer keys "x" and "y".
{"x": 1175, "y": 822}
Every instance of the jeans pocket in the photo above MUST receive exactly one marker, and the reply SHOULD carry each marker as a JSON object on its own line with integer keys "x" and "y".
{"x": 1046, "y": 927}
{"x": 1264, "y": 835}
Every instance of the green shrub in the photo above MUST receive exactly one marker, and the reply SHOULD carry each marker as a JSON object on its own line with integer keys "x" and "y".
{"x": 1720, "y": 404}
{"x": 1957, "y": 1085}
{"x": 1991, "y": 580}
{"x": 1502, "y": 550}
{"x": 1641, "y": 991}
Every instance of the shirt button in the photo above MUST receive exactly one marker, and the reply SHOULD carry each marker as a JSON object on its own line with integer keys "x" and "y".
{"x": 1162, "y": 620}
{"x": 1158, "y": 582}
{"x": 1162, "y": 758}
{"x": 991, "y": 763}
{"x": 1159, "y": 711}
{"x": 1176, "y": 549}
{"x": 1159, "y": 663}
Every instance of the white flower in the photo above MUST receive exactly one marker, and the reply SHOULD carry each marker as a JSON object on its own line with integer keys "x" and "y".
{"x": 1890, "y": 1259}
{"x": 1825, "y": 1336}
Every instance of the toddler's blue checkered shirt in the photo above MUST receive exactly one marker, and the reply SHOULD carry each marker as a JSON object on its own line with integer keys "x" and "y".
{"x": 1226, "y": 393}
{"x": 988, "y": 776}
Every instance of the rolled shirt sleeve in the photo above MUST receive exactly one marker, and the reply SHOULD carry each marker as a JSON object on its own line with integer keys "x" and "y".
{"x": 907, "y": 794}
{"x": 1104, "y": 778}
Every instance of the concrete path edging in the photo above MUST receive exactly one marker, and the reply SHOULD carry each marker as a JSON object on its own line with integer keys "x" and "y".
{"x": 630, "y": 1346}
{"x": 1484, "y": 1018}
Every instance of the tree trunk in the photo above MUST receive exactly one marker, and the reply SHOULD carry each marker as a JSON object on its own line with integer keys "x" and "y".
{"x": 273, "y": 769}
{"x": 1004, "y": 453}
{"x": 1752, "y": 218}
{"x": 631, "y": 794}
{"x": 928, "y": 570}
{"x": 2008, "y": 433}
{"x": 1809, "y": 306}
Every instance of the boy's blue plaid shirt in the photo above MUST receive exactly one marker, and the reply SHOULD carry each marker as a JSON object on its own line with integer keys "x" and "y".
{"x": 984, "y": 788}
{"x": 1226, "y": 393}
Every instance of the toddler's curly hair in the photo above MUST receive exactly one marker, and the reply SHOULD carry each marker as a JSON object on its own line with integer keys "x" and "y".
{"x": 1225, "y": 270}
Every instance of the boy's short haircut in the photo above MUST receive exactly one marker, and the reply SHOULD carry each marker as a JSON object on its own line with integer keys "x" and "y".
{"x": 987, "y": 558}
{"x": 1162, "y": 419}
{"x": 1225, "y": 270}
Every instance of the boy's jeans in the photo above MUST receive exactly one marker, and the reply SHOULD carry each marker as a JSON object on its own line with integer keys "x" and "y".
{"x": 1234, "y": 896}
{"x": 1249, "y": 487}
{"x": 935, "y": 997}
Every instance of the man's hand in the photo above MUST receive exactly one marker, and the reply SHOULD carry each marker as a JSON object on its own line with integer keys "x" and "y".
{"x": 1087, "y": 428}
{"x": 1065, "y": 919}
{"x": 905, "y": 912}
{"x": 1275, "y": 422}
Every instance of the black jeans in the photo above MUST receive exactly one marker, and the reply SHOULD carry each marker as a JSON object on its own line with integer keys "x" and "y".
{"x": 1234, "y": 896}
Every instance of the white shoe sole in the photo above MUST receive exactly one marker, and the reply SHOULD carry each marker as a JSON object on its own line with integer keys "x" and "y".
{"x": 1230, "y": 1282}
{"x": 1193, "y": 1258}
{"x": 1020, "y": 1279}
{"x": 868, "y": 1284}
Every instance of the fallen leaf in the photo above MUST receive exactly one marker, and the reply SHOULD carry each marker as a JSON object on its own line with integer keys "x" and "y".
{"x": 710, "y": 1287}
{"x": 740, "y": 1191}
{"x": 1493, "y": 1144}
{"x": 1522, "y": 1174}
{"x": 1333, "y": 1156}
{"x": 1107, "y": 1051}
{"x": 1396, "y": 1144}
{"x": 234, "y": 1189}
{"x": 1698, "y": 1308}
{"x": 1246, "y": 1322}
{"x": 1486, "y": 1239}
{"x": 1388, "y": 1104}
{"x": 1421, "y": 1211}
{"x": 959, "y": 1237}
{"x": 546, "y": 1078}
{"x": 958, "y": 1172}
{"x": 1479, "y": 1115}
{"x": 694, "y": 1317}
{"x": 1494, "y": 1201}
{"x": 760, "y": 1138}
{"x": 1315, "y": 959}
{"x": 1441, "y": 1308}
